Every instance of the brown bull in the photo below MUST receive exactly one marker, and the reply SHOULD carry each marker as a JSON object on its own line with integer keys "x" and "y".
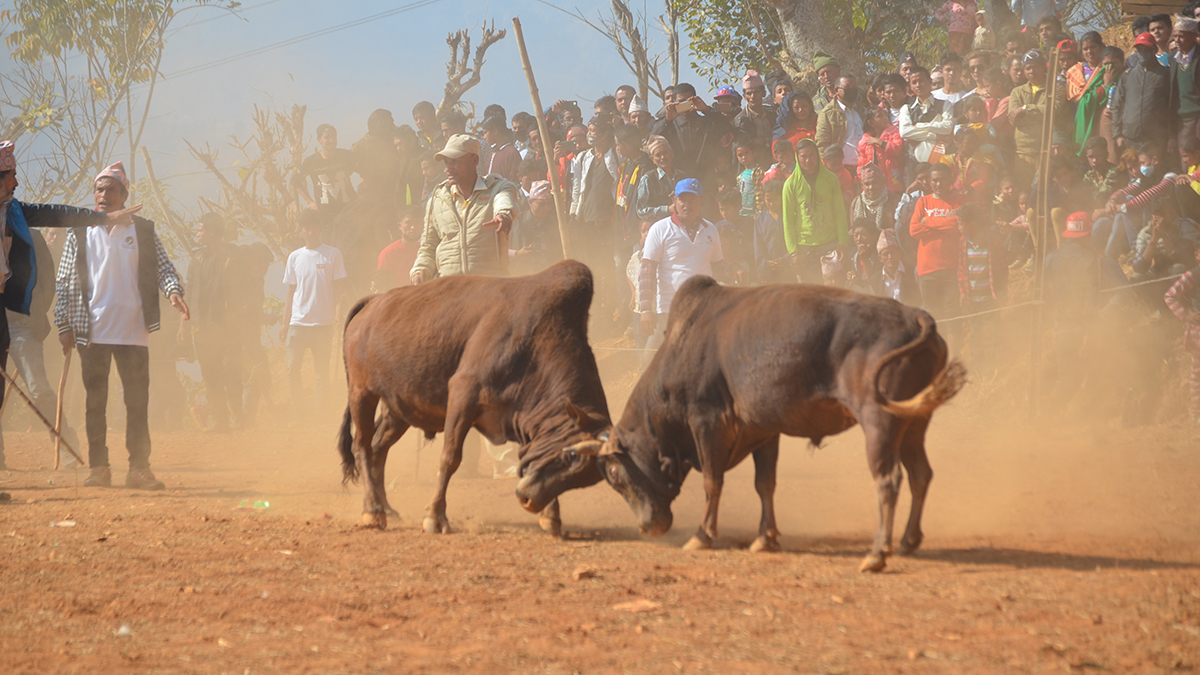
{"x": 740, "y": 367}
{"x": 507, "y": 356}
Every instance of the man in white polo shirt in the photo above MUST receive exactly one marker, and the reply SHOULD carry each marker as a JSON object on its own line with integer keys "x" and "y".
{"x": 677, "y": 248}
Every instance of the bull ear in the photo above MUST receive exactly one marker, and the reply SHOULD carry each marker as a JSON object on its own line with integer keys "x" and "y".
{"x": 585, "y": 448}
{"x": 582, "y": 418}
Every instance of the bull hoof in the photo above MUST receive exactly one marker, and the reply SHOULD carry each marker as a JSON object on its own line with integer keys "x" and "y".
{"x": 436, "y": 525}
{"x": 392, "y": 513}
{"x": 552, "y": 526}
{"x": 376, "y": 520}
{"x": 697, "y": 544}
{"x": 765, "y": 545}
{"x": 874, "y": 562}
{"x": 909, "y": 547}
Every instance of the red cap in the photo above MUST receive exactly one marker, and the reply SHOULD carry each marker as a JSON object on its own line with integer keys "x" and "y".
{"x": 1146, "y": 40}
{"x": 1079, "y": 224}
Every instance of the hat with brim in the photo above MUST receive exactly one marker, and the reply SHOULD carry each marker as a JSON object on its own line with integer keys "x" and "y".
{"x": 1146, "y": 40}
{"x": 1079, "y": 225}
{"x": 689, "y": 186}
{"x": 459, "y": 145}
{"x": 727, "y": 92}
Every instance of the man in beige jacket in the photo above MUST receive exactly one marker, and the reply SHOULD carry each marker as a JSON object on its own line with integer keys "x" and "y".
{"x": 467, "y": 219}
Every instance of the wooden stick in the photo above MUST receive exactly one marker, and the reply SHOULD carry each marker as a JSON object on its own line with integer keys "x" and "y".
{"x": 40, "y": 416}
{"x": 544, "y": 131}
{"x": 7, "y": 395}
{"x": 1043, "y": 225}
{"x": 62, "y": 390}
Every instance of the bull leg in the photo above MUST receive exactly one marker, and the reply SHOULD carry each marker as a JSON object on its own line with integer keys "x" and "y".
{"x": 362, "y": 412}
{"x": 714, "y": 480}
{"x": 462, "y": 411}
{"x": 550, "y": 520}
{"x": 766, "y": 461}
{"x": 882, "y": 456}
{"x": 912, "y": 453}
{"x": 389, "y": 430}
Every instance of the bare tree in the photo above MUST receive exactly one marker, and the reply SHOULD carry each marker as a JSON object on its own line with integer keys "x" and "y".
{"x": 460, "y": 76}
{"x": 669, "y": 22}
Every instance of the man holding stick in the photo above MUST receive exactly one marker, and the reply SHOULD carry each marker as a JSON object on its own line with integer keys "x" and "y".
{"x": 107, "y": 308}
{"x": 19, "y": 259}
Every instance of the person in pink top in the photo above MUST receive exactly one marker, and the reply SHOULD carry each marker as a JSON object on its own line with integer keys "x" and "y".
{"x": 959, "y": 17}
{"x": 882, "y": 146}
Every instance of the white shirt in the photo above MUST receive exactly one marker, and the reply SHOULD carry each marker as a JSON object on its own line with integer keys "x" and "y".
{"x": 894, "y": 114}
{"x": 115, "y": 303}
{"x": 952, "y": 98}
{"x": 312, "y": 272}
{"x": 854, "y": 133}
{"x": 891, "y": 285}
{"x": 679, "y": 257}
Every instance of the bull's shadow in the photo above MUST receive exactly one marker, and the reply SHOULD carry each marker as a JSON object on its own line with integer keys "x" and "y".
{"x": 1013, "y": 558}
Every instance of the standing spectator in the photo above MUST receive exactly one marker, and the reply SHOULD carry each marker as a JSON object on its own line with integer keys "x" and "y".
{"x": 313, "y": 277}
{"x": 654, "y": 189}
{"x": 737, "y": 237}
{"x": 959, "y": 17}
{"x": 523, "y": 124}
{"x": 635, "y": 163}
{"x": 639, "y": 115}
{"x": 1139, "y": 114}
{"x": 1087, "y": 70}
{"x": 814, "y": 213}
{"x": 785, "y": 161}
{"x": 1028, "y": 104}
{"x": 535, "y": 240}
{"x": 593, "y": 202}
{"x": 973, "y": 171}
{"x": 216, "y": 278}
{"x": 464, "y": 216}
{"x": 328, "y": 171}
{"x": 863, "y": 272}
{"x": 754, "y": 124}
{"x": 770, "y": 249}
{"x": 839, "y": 123}
{"x": 429, "y": 133}
{"x": 935, "y": 227}
{"x": 1087, "y": 89}
{"x": 1161, "y": 28}
{"x": 895, "y": 95}
{"x": 1185, "y": 84}
{"x": 882, "y": 147}
{"x": 828, "y": 71}
{"x": 925, "y": 123}
{"x": 107, "y": 307}
{"x": 623, "y": 98}
{"x": 1183, "y": 298}
{"x": 695, "y": 134}
{"x": 796, "y": 119}
{"x": 750, "y": 179}
{"x": 728, "y": 102}
{"x": 677, "y": 248}
{"x": 982, "y": 265}
{"x": 506, "y": 159}
{"x": 396, "y": 261}
{"x": 952, "y": 90}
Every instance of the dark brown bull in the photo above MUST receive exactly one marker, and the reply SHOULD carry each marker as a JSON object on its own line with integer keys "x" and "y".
{"x": 740, "y": 367}
{"x": 507, "y": 356}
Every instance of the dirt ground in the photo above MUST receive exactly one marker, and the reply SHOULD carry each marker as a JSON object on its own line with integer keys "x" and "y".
{"x": 1048, "y": 549}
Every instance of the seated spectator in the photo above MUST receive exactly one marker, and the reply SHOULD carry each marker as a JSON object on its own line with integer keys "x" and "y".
{"x": 1187, "y": 185}
{"x": 1105, "y": 178}
{"x": 656, "y": 189}
{"x": 935, "y": 227}
{"x": 814, "y": 213}
{"x": 1161, "y": 250}
{"x": 894, "y": 280}
{"x": 770, "y": 249}
{"x": 1116, "y": 233}
{"x": 875, "y": 203}
{"x": 864, "y": 262}
{"x": 881, "y": 146}
{"x": 737, "y": 236}
{"x": 785, "y": 161}
{"x": 796, "y": 119}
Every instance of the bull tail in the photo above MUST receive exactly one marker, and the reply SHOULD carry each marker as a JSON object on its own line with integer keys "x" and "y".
{"x": 945, "y": 385}
{"x": 346, "y": 449}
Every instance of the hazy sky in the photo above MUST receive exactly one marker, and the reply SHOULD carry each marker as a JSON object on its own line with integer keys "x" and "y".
{"x": 391, "y": 62}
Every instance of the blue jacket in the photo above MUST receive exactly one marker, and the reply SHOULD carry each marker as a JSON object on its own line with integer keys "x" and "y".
{"x": 18, "y": 293}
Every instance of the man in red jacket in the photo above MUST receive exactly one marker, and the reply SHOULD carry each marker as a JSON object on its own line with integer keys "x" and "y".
{"x": 935, "y": 227}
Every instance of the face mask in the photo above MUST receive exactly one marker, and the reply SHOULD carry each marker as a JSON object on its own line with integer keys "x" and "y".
{"x": 851, "y": 95}
{"x": 1147, "y": 170}
{"x": 591, "y": 140}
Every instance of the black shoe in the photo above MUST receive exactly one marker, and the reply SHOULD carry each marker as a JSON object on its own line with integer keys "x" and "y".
{"x": 100, "y": 476}
{"x": 142, "y": 479}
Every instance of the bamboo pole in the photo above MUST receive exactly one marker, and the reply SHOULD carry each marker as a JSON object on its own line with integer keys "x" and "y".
{"x": 544, "y": 131}
{"x": 62, "y": 392}
{"x": 40, "y": 416}
{"x": 1045, "y": 233}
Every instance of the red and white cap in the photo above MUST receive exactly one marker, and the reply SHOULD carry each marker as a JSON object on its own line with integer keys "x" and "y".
{"x": 8, "y": 157}
{"x": 1079, "y": 224}
{"x": 115, "y": 172}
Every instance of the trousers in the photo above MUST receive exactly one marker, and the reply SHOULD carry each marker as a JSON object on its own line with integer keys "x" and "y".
{"x": 133, "y": 366}
{"x": 317, "y": 340}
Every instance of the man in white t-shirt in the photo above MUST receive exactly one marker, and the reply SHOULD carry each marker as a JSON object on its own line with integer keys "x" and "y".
{"x": 313, "y": 277}
{"x": 677, "y": 248}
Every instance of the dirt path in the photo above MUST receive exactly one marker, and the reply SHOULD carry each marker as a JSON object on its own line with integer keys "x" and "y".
{"x": 1048, "y": 551}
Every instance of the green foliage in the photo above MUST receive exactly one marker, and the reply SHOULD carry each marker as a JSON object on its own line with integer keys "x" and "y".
{"x": 728, "y": 36}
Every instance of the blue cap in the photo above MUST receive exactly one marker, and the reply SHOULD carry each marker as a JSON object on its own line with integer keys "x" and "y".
{"x": 688, "y": 185}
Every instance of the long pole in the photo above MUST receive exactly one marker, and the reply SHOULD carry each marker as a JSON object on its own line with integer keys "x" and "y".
{"x": 544, "y": 131}
{"x": 62, "y": 393}
{"x": 40, "y": 416}
{"x": 1045, "y": 233}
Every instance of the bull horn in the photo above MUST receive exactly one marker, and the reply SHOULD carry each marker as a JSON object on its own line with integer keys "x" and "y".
{"x": 590, "y": 447}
